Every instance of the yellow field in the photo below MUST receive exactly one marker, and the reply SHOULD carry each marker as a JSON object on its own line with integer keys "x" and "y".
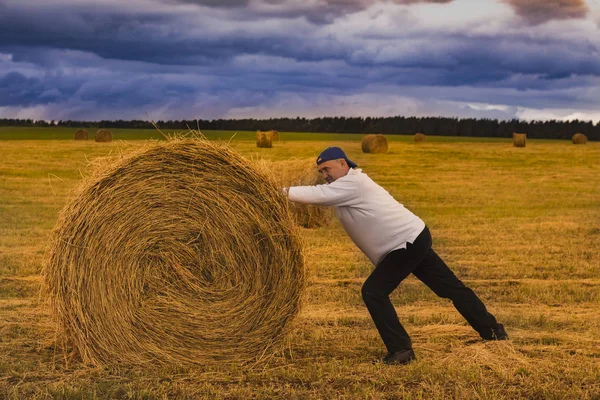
{"x": 521, "y": 226}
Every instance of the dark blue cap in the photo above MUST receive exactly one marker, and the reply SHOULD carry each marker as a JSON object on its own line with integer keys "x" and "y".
{"x": 334, "y": 153}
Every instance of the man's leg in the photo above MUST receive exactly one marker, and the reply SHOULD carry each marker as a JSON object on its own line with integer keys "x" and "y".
{"x": 438, "y": 277}
{"x": 388, "y": 274}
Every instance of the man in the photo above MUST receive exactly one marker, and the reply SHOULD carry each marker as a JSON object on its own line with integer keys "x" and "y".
{"x": 398, "y": 243}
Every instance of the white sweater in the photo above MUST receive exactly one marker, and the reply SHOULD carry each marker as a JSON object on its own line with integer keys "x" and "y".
{"x": 373, "y": 219}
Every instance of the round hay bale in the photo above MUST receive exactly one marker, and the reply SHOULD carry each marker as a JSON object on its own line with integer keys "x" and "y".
{"x": 519, "y": 139}
{"x": 579, "y": 138}
{"x": 81, "y": 134}
{"x": 103, "y": 135}
{"x": 374, "y": 144}
{"x": 275, "y": 135}
{"x": 300, "y": 172}
{"x": 264, "y": 139}
{"x": 420, "y": 137}
{"x": 180, "y": 252}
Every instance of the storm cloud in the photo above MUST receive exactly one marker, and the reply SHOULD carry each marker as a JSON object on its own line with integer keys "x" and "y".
{"x": 207, "y": 59}
{"x": 316, "y": 11}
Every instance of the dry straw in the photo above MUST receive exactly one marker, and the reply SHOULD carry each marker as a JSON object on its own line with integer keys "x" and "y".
{"x": 81, "y": 134}
{"x": 103, "y": 135}
{"x": 264, "y": 139}
{"x": 519, "y": 139}
{"x": 374, "y": 144}
{"x": 579, "y": 138}
{"x": 300, "y": 172}
{"x": 420, "y": 137}
{"x": 179, "y": 252}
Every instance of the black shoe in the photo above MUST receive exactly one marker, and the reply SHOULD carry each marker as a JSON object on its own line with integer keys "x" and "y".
{"x": 497, "y": 333}
{"x": 399, "y": 357}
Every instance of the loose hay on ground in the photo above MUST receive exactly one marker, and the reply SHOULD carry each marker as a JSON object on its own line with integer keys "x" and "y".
{"x": 180, "y": 252}
{"x": 374, "y": 144}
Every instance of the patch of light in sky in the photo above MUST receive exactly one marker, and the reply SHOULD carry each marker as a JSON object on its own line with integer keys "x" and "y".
{"x": 558, "y": 114}
{"x": 486, "y": 107}
{"x": 460, "y": 12}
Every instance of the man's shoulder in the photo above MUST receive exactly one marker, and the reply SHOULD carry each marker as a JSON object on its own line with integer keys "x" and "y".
{"x": 352, "y": 176}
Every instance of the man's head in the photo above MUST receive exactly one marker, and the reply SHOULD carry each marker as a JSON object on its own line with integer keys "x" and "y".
{"x": 333, "y": 164}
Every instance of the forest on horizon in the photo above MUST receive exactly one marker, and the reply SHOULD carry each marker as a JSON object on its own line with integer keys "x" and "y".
{"x": 436, "y": 126}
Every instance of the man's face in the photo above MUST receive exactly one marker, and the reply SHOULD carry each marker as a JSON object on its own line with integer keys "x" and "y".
{"x": 332, "y": 170}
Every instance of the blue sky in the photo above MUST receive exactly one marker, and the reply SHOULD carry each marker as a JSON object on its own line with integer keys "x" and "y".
{"x": 186, "y": 59}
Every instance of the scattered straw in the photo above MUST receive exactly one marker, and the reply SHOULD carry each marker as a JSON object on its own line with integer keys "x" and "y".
{"x": 178, "y": 252}
{"x": 500, "y": 357}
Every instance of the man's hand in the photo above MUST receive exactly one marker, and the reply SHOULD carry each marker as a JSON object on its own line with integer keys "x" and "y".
{"x": 285, "y": 191}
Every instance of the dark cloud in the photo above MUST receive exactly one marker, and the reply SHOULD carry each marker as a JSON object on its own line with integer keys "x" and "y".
{"x": 17, "y": 89}
{"x": 107, "y": 63}
{"x": 20, "y": 90}
{"x": 152, "y": 38}
{"x": 215, "y": 3}
{"x": 539, "y": 11}
{"x": 155, "y": 38}
{"x": 318, "y": 12}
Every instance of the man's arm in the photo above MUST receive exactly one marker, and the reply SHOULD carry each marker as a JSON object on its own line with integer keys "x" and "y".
{"x": 343, "y": 192}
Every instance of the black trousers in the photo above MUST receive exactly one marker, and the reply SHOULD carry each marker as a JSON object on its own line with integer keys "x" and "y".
{"x": 420, "y": 259}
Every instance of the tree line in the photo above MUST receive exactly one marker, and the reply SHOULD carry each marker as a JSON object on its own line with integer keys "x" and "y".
{"x": 440, "y": 126}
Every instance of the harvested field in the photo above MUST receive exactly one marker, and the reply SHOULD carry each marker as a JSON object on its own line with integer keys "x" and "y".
{"x": 504, "y": 220}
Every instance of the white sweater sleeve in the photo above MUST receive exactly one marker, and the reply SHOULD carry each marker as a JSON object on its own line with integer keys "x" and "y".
{"x": 343, "y": 192}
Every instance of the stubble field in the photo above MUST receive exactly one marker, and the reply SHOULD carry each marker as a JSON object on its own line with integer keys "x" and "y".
{"x": 521, "y": 226}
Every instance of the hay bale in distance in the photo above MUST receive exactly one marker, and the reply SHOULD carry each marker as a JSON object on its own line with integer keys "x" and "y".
{"x": 579, "y": 138}
{"x": 81, "y": 134}
{"x": 300, "y": 172}
{"x": 180, "y": 252}
{"x": 420, "y": 137}
{"x": 519, "y": 139}
{"x": 374, "y": 144}
{"x": 264, "y": 139}
{"x": 103, "y": 135}
{"x": 274, "y": 135}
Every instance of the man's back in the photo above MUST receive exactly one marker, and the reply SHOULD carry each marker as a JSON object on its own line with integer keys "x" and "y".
{"x": 373, "y": 219}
